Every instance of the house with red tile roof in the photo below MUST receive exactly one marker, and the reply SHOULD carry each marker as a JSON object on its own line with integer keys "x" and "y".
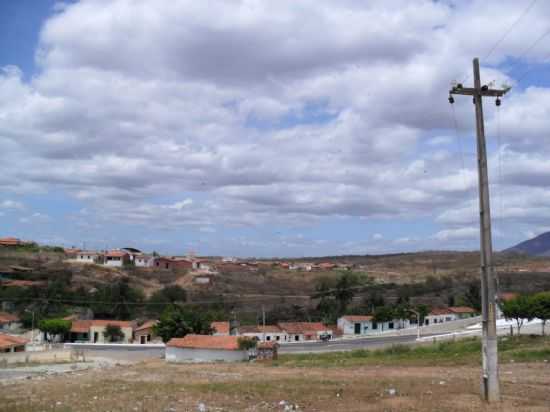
{"x": 117, "y": 258}
{"x": 442, "y": 315}
{"x": 220, "y": 328}
{"x": 9, "y": 343}
{"x": 267, "y": 333}
{"x": 9, "y": 322}
{"x": 89, "y": 256}
{"x": 173, "y": 263}
{"x": 10, "y": 242}
{"x": 301, "y": 331}
{"x": 145, "y": 334}
{"x": 93, "y": 331}
{"x": 205, "y": 348}
{"x": 367, "y": 325}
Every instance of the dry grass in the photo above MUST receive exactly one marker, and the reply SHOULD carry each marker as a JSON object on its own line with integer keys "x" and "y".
{"x": 156, "y": 386}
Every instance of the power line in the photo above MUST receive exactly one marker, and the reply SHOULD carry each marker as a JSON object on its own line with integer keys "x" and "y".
{"x": 503, "y": 37}
{"x": 507, "y": 32}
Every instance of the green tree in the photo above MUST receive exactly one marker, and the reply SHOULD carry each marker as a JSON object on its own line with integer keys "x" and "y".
{"x": 344, "y": 291}
{"x": 473, "y": 295}
{"x": 519, "y": 309}
{"x": 113, "y": 333}
{"x": 172, "y": 294}
{"x": 246, "y": 343}
{"x": 177, "y": 321}
{"x": 423, "y": 311}
{"x": 54, "y": 327}
{"x": 383, "y": 314}
{"x": 541, "y": 308}
{"x": 115, "y": 300}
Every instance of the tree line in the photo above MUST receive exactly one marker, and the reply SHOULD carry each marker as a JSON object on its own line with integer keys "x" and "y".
{"x": 527, "y": 307}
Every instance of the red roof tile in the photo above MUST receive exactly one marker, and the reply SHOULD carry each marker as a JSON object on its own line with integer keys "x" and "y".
{"x": 9, "y": 341}
{"x": 220, "y": 327}
{"x": 7, "y": 318}
{"x": 205, "y": 342}
{"x": 302, "y": 327}
{"x": 462, "y": 309}
{"x": 358, "y": 318}
{"x": 83, "y": 326}
{"x": 147, "y": 325}
{"x": 116, "y": 253}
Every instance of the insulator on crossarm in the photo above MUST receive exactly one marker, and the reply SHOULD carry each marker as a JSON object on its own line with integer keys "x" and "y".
{"x": 497, "y": 101}
{"x": 451, "y": 99}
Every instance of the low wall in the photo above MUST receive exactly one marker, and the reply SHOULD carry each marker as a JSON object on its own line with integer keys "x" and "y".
{"x": 58, "y": 355}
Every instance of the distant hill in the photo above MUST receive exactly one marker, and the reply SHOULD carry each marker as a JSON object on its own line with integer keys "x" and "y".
{"x": 538, "y": 246}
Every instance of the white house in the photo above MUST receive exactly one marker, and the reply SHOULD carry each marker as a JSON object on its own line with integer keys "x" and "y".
{"x": 303, "y": 331}
{"x": 144, "y": 261}
{"x": 267, "y": 333}
{"x": 366, "y": 325}
{"x": 205, "y": 348}
{"x": 93, "y": 330}
{"x": 442, "y": 315}
{"x": 116, "y": 258}
{"x": 9, "y": 322}
{"x": 88, "y": 256}
{"x": 9, "y": 343}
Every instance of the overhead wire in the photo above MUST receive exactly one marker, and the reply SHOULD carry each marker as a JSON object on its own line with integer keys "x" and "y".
{"x": 503, "y": 37}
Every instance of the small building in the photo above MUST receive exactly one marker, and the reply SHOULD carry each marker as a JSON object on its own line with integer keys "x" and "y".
{"x": 117, "y": 258}
{"x": 9, "y": 322}
{"x": 267, "y": 333}
{"x": 145, "y": 334}
{"x": 220, "y": 328}
{"x": 144, "y": 261}
{"x": 9, "y": 343}
{"x": 366, "y": 325}
{"x": 71, "y": 252}
{"x": 88, "y": 256}
{"x": 304, "y": 331}
{"x": 442, "y": 315}
{"x": 10, "y": 242}
{"x": 267, "y": 351}
{"x": 93, "y": 330}
{"x": 173, "y": 263}
{"x": 205, "y": 348}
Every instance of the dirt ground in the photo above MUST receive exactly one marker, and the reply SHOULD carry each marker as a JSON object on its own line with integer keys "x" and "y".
{"x": 157, "y": 386}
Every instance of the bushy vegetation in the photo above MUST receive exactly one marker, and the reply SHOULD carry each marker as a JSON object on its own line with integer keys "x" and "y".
{"x": 528, "y": 307}
{"x": 113, "y": 333}
{"x": 177, "y": 321}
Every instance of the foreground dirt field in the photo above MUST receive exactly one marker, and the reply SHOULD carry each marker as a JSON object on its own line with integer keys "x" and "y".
{"x": 156, "y": 386}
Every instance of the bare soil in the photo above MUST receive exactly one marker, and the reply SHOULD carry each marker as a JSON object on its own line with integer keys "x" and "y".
{"x": 157, "y": 386}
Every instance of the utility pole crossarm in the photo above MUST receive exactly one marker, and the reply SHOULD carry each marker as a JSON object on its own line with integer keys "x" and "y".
{"x": 485, "y": 91}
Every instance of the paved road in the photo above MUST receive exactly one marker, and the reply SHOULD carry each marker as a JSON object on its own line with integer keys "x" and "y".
{"x": 348, "y": 344}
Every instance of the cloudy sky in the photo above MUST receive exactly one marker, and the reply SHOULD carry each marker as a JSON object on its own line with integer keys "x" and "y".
{"x": 269, "y": 128}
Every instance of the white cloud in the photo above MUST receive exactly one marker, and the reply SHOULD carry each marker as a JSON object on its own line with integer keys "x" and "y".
{"x": 264, "y": 112}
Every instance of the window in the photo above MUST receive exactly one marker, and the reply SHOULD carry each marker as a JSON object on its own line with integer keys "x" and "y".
{"x": 268, "y": 338}
{"x": 390, "y": 325}
{"x": 166, "y": 265}
{"x": 374, "y": 325}
{"x": 297, "y": 338}
{"x": 277, "y": 338}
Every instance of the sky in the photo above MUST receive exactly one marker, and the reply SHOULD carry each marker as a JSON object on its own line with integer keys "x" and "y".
{"x": 261, "y": 128}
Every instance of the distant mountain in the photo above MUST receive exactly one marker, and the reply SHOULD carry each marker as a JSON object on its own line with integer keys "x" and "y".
{"x": 538, "y": 246}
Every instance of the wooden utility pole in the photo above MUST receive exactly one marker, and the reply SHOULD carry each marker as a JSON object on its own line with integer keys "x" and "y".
{"x": 490, "y": 379}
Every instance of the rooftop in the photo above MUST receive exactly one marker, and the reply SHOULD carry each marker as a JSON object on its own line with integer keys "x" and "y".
{"x": 9, "y": 341}
{"x": 220, "y": 327}
{"x": 205, "y": 342}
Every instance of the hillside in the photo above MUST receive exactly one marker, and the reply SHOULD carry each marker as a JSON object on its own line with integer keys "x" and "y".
{"x": 538, "y": 246}
{"x": 433, "y": 278}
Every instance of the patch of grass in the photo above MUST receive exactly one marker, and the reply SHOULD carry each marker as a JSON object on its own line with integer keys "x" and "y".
{"x": 462, "y": 352}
